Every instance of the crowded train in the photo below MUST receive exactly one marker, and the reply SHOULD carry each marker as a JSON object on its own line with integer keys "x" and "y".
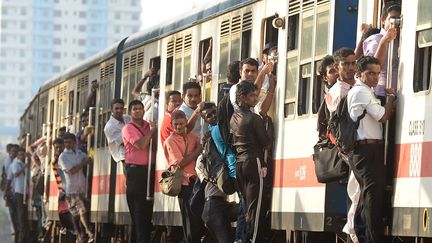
{"x": 244, "y": 121}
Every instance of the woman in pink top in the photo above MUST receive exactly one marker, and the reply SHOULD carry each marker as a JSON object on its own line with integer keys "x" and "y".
{"x": 182, "y": 149}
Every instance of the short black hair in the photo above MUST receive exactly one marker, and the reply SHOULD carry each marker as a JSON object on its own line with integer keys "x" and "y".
{"x": 191, "y": 85}
{"x": 117, "y": 101}
{"x": 208, "y": 105}
{"x": 84, "y": 113}
{"x": 70, "y": 136}
{"x": 233, "y": 72}
{"x": 178, "y": 114}
{"x": 58, "y": 141}
{"x": 249, "y": 61}
{"x": 366, "y": 60}
{"x": 171, "y": 93}
{"x": 325, "y": 62}
{"x": 388, "y": 7}
{"x": 153, "y": 83}
{"x": 21, "y": 149}
{"x": 9, "y": 146}
{"x": 63, "y": 129}
{"x": 244, "y": 88}
{"x": 342, "y": 53}
{"x": 134, "y": 103}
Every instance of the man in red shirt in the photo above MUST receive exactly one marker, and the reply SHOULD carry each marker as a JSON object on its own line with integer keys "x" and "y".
{"x": 173, "y": 100}
{"x": 182, "y": 149}
{"x": 136, "y": 136}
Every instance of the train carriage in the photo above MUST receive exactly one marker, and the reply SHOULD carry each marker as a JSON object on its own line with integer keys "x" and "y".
{"x": 305, "y": 31}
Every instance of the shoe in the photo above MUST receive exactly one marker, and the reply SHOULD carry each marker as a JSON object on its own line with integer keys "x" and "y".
{"x": 63, "y": 230}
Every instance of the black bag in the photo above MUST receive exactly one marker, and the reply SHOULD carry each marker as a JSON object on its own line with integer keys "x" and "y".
{"x": 342, "y": 129}
{"x": 38, "y": 182}
{"x": 329, "y": 166}
{"x": 224, "y": 112}
{"x": 217, "y": 168}
{"x": 197, "y": 198}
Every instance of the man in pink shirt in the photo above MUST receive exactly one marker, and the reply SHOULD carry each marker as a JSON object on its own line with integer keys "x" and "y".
{"x": 182, "y": 149}
{"x": 136, "y": 136}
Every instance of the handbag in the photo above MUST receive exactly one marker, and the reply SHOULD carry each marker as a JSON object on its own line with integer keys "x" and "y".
{"x": 170, "y": 183}
{"x": 329, "y": 165}
{"x": 197, "y": 198}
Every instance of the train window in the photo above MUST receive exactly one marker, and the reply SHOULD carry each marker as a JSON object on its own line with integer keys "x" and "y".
{"x": 306, "y": 37}
{"x": 186, "y": 67}
{"x": 235, "y": 47}
{"x": 322, "y": 31}
{"x": 245, "y": 47}
{"x": 177, "y": 72}
{"x": 223, "y": 57}
{"x": 303, "y": 90}
{"x": 71, "y": 102}
{"x": 318, "y": 87}
{"x": 424, "y": 17}
{"x": 169, "y": 70}
{"x": 423, "y": 61}
{"x": 291, "y": 84}
{"x": 271, "y": 33}
{"x": 155, "y": 63}
{"x": 423, "y": 50}
{"x": 205, "y": 52}
{"x": 125, "y": 79}
{"x": 51, "y": 108}
{"x": 293, "y": 22}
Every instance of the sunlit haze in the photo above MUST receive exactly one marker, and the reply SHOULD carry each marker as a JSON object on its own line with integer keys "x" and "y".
{"x": 157, "y": 11}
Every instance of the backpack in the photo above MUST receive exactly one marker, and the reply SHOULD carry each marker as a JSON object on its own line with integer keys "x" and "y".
{"x": 342, "y": 129}
{"x": 322, "y": 121}
{"x": 224, "y": 112}
{"x": 216, "y": 167}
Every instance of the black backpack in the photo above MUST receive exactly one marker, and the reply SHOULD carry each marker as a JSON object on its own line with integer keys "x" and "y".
{"x": 224, "y": 112}
{"x": 216, "y": 167}
{"x": 342, "y": 129}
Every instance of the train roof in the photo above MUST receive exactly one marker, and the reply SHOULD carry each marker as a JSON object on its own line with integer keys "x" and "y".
{"x": 179, "y": 23}
{"x": 83, "y": 65}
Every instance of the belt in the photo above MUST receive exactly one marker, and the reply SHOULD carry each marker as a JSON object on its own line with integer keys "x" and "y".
{"x": 135, "y": 166}
{"x": 219, "y": 198}
{"x": 370, "y": 141}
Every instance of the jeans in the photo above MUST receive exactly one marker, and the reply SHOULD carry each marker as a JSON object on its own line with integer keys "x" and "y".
{"x": 193, "y": 227}
{"x": 140, "y": 209}
{"x": 217, "y": 215}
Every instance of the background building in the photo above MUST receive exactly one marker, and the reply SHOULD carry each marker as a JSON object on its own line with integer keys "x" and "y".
{"x": 40, "y": 38}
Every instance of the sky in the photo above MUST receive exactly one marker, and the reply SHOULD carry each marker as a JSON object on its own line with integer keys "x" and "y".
{"x": 157, "y": 11}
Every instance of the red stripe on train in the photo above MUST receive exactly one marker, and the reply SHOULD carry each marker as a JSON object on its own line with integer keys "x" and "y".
{"x": 413, "y": 160}
{"x": 100, "y": 184}
{"x": 296, "y": 172}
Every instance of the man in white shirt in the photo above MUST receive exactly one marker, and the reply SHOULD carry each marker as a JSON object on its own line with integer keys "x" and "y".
{"x": 249, "y": 72}
{"x": 113, "y": 130}
{"x": 192, "y": 106}
{"x": 12, "y": 150}
{"x": 16, "y": 181}
{"x": 345, "y": 64}
{"x": 72, "y": 161}
{"x": 367, "y": 163}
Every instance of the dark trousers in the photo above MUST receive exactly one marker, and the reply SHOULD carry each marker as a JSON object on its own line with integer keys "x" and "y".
{"x": 240, "y": 234}
{"x": 193, "y": 227}
{"x": 217, "y": 215}
{"x": 11, "y": 204}
{"x": 22, "y": 216}
{"x": 252, "y": 188}
{"x": 140, "y": 209}
{"x": 368, "y": 167}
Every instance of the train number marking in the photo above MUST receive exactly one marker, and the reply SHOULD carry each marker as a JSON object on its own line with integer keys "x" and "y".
{"x": 416, "y": 127}
{"x": 300, "y": 173}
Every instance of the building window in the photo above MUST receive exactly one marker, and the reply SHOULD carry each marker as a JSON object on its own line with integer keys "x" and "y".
{"x": 4, "y": 24}
{"x": 117, "y": 15}
{"x": 57, "y": 41}
{"x": 81, "y": 56}
{"x": 82, "y": 28}
{"x": 57, "y": 27}
{"x": 57, "y": 13}
{"x": 82, "y": 14}
{"x": 81, "y": 42}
